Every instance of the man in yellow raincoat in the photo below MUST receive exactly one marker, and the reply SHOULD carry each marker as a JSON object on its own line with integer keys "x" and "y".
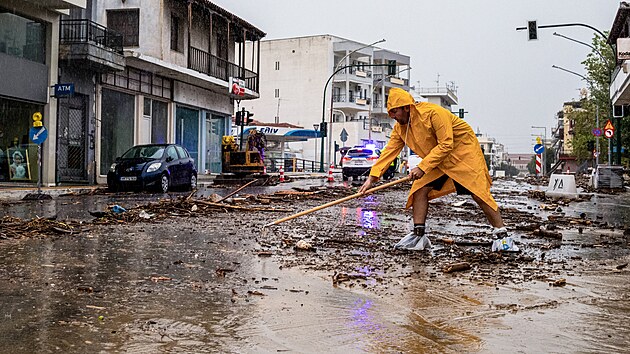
{"x": 452, "y": 161}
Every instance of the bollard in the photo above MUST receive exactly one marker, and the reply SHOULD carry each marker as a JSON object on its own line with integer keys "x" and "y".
{"x": 264, "y": 170}
{"x": 568, "y": 169}
{"x": 281, "y": 174}
{"x": 330, "y": 174}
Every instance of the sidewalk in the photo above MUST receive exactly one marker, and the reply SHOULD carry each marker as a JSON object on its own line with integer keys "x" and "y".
{"x": 17, "y": 192}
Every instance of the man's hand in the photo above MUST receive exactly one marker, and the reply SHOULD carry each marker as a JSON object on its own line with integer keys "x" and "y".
{"x": 368, "y": 184}
{"x": 416, "y": 173}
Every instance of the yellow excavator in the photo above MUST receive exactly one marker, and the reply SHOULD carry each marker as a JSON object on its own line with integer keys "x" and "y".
{"x": 239, "y": 162}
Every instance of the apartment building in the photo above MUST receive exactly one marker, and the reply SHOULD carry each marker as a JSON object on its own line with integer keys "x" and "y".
{"x": 29, "y": 37}
{"x": 129, "y": 72}
{"x": 325, "y": 78}
{"x": 180, "y": 58}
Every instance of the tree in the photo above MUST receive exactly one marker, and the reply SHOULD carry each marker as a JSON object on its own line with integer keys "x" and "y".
{"x": 599, "y": 66}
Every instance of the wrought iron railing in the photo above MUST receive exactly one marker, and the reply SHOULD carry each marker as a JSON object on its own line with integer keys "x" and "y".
{"x": 214, "y": 66}
{"x": 86, "y": 31}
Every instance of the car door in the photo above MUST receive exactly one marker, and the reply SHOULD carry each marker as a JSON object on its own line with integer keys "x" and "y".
{"x": 173, "y": 165}
{"x": 187, "y": 164}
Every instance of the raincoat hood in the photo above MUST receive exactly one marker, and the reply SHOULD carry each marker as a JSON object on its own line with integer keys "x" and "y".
{"x": 399, "y": 98}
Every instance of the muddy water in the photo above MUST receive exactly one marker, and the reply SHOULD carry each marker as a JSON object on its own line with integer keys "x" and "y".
{"x": 200, "y": 285}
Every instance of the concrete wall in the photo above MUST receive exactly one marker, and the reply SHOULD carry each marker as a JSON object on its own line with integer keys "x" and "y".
{"x": 305, "y": 65}
{"x": 196, "y": 97}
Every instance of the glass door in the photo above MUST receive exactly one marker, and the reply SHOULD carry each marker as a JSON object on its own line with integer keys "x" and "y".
{"x": 187, "y": 130}
{"x": 215, "y": 130}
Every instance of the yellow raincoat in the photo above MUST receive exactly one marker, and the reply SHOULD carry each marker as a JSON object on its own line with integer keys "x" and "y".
{"x": 446, "y": 144}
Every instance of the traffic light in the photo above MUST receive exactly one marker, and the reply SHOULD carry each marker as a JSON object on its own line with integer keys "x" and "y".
{"x": 239, "y": 118}
{"x": 323, "y": 129}
{"x": 590, "y": 145}
{"x": 249, "y": 118}
{"x": 461, "y": 113}
{"x": 532, "y": 30}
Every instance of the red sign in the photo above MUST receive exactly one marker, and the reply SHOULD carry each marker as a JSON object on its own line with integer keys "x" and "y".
{"x": 237, "y": 87}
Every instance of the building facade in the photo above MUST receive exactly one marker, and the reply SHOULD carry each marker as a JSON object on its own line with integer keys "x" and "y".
{"x": 29, "y": 46}
{"x": 180, "y": 58}
{"x": 324, "y": 78}
{"x": 140, "y": 71}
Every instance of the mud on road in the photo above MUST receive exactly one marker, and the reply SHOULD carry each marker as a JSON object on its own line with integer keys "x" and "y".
{"x": 199, "y": 277}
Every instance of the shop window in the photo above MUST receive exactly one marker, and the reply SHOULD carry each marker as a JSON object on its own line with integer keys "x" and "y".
{"x": 22, "y": 37}
{"x": 127, "y": 23}
{"x": 18, "y": 156}
{"x": 159, "y": 122}
{"x": 117, "y": 126}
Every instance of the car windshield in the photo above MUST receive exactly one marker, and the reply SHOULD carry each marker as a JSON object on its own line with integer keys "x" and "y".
{"x": 360, "y": 153}
{"x": 149, "y": 152}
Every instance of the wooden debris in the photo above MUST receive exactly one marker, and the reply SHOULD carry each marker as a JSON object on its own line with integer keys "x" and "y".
{"x": 456, "y": 267}
{"x": 548, "y": 234}
{"x": 559, "y": 282}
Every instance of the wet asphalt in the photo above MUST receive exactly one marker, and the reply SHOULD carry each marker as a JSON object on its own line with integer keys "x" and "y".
{"x": 207, "y": 284}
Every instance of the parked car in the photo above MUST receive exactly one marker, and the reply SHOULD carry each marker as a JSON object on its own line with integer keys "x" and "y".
{"x": 358, "y": 161}
{"x": 155, "y": 166}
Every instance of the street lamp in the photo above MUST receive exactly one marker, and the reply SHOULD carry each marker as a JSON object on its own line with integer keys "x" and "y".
{"x": 590, "y": 84}
{"x": 340, "y": 62}
{"x": 610, "y": 70}
{"x": 544, "y": 160}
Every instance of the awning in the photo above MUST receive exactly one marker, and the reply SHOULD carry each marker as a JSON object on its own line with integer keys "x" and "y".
{"x": 284, "y": 134}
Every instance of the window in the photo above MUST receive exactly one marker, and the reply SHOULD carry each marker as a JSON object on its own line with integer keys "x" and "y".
{"x": 127, "y": 23}
{"x": 177, "y": 35}
{"x": 22, "y": 37}
{"x": 277, "y": 65}
{"x": 157, "y": 112}
{"x": 159, "y": 122}
{"x": 391, "y": 67}
{"x": 182, "y": 153}
{"x": 116, "y": 126}
{"x": 277, "y": 93}
{"x": 172, "y": 153}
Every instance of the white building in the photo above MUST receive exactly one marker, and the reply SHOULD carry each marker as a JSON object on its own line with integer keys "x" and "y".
{"x": 299, "y": 88}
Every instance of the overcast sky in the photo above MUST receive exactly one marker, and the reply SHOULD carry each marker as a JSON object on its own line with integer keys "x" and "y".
{"x": 504, "y": 81}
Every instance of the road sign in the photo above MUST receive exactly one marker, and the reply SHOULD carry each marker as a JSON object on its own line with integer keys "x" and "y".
{"x": 609, "y": 129}
{"x": 344, "y": 135}
{"x": 539, "y": 148}
{"x": 38, "y": 135}
{"x": 597, "y": 132}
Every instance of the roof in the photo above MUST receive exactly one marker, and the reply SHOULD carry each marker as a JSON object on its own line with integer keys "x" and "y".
{"x": 619, "y": 22}
{"x": 253, "y": 33}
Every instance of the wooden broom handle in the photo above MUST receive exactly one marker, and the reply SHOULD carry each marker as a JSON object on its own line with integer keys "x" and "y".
{"x": 338, "y": 201}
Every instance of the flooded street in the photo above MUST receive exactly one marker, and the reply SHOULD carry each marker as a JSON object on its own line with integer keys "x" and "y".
{"x": 218, "y": 282}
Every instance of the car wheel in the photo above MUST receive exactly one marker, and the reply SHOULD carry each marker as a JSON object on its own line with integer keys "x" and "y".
{"x": 164, "y": 183}
{"x": 112, "y": 187}
{"x": 193, "y": 182}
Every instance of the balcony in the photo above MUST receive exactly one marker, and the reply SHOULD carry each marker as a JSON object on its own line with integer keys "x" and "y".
{"x": 97, "y": 46}
{"x": 211, "y": 65}
{"x": 390, "y": 81}
{"x": 354, "y": 74}
{"x": 350, "y": 103}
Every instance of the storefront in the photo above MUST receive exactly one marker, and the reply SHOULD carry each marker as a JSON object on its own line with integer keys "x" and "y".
{"x": 18, "y": 156}
{"x": 23, "y": 91}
